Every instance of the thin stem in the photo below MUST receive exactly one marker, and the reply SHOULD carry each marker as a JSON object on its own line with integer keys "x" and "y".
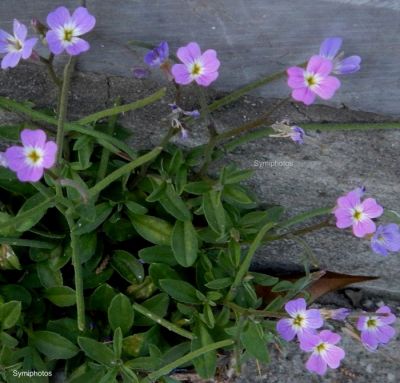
{"x": 187, "y": 358}
{"x": 162, "y": 322}
{"x": 205, "y": 112}
{"x": 80, "y": 302}
{"x": 49, "y": 65}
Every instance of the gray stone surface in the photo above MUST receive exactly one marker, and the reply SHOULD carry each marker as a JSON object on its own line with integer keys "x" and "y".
{"x": 253, "y": 38}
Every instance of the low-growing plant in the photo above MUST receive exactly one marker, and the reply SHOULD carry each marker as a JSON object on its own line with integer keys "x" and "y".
{"x": 124, "y": 265}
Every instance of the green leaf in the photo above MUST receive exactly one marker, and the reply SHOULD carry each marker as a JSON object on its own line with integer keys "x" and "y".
{"x": 218, "y": 284}
{"x": 181, "y": 291}
{"x": 198, "y": 188}
{"x": 87, "y": 246}
{"x": 120, "y": 313}
{"x": 282, "y": 286}
{"x": 157, "y": 192}
{"x": 33, "y": 218}
{"x": 101, "y": 297}
{"x": 205, "y": 364}
{"x": 9, "y": 314}
{"x": 117, "y": 342}
{"x": 153, "y": 229}
{"x": 110, "y": 376}
{"x": 135, "y": 208}
{"x": 13, "y": 292}
{"x": 7, "y": 340}
{"x": 10, "y": 133}
{"x": 53, "y": 345}
{"x": 97, "y": 351}
{"x": 128, "y": 375}
{"x": 158, "y": 254}
{"x": 61, "y": 296}
{"x": 126, "y": 265}
{"x": 158, "y": 271}
{"x": 158, "y": 304}
{"x": 48, "y": 276}
{"x": 305, "y": 216}
{"x": 264, "y": 279}
{"x": 174, "y": 205}
{"x": 231, "y": 175}
{"x": 214, "y": 212}
{"x": 237, "y": 195}
{"x": 84, "y": 226}
{"x": 184, "y": 243}
{"x": 253, "y": 340}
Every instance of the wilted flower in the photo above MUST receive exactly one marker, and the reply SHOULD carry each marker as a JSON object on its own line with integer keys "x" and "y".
{"x": 284, "y": 130}
{"x": 66, "y": 30}
{"x": 158, "y": 55}
{"x": 313, "y": 81}
{"x": 140, "y": 72}
{"x": 197, "y": 66}
{"x": 375, "y": 329}
{"x": 16, "y": 46}
{"x": 350, "y": 211}
{"x": 337, "y": 314}
{"x": 36, "y": 154}
{"x": 302, "y": 322}
{"x": 385, "y": 239}
{"x": 324, "y": 351}
{"x": 330, "y": 49}
{"x": 8, "y": 259}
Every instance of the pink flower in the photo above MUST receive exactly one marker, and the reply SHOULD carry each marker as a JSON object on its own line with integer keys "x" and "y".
{"x": 65, "y": 30}
{"x": 16, "y": 46}
{"x": 375, "y": 329}
{"x": 30, "y": 160}
{"x": 350, "y": 211}
{"x": 202, "y": 68}
{"x": 302, "y": 322}
{"x": 324, "y": 351}
{"x": 313, "y": 81}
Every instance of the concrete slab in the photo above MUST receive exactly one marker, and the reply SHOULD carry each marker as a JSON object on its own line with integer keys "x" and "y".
{"x": 253, "y": 38}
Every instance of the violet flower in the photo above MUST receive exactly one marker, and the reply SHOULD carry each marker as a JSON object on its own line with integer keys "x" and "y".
{"x": 16, "y": 46}
{"x": 350, "y": 211}
{"x": 324, "y": 351}
{"x": 65, "y": 30}
{"x": 385, "y": 239}
{"x": 30, "y": 160}
{"x": 313, "y": 81}
{"x": 329, "y": 49}
{"x": 297, "y": 134}
{"x": 158, "y": 55}
{"x": 302, "y": 322}
{"x": 140, "y": 73}
{"x": 197, "y": 66}
{"x": 375, "y": 329}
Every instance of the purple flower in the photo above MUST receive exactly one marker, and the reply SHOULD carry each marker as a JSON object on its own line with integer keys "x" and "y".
{"x": 375, "y": 329}
{"x": 158, "y": 55}
{"x": 16, "y": 47}
{"x": 350, "y": 211}
{"x": 313, "y": 81}
{"x": 324, "y": 351}
{"x": 65, "y": 30}
{"x": 140, "y": 72}
{"x": 340, "y": 314}
{"x": 329, "y": 49}
{"x": 360, "y": 190}
{"x": 297, "y": 134}
{"x": 202, "y": 68}
{"x": 35, "y": 155}
{"x": 302, "y": 322}
{"x": 385, "y": 239}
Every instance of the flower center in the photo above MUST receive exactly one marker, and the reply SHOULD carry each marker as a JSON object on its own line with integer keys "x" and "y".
{"x": 371, "y": 323}
{"x": 196, "y": 69}
{"x": 34, "y": 156}
{"x": 358, "y": 214}
{"x": 311, "y": 80}
{"x": 381, "y": 239}
{"x": 68, "y": 35}
{"x": 298, "y": 320}
{"x": 16, "y": 45}
{"x": 321, "y": 348}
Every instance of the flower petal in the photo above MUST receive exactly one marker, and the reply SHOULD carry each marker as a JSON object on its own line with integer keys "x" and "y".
{"x": 330, "y": 47}
{"x": 385, "y": 333}
{"x": 348, "y": 65}
{"x": 314, "y": 318}
{"x": 84, "y": 21}
{"x": 20, "y": 30}
{"x": 319, "y": 65}
{"x": 378, "y": 248}
{"x": 330, "y": 337}
{"x": 28, "y": 47}
{"x": 30, "y": 173}
{"x": 50, "y": 151}
{"x": 364, "y": 227}
{"x": 34, "y": 138}
{"x": 11, "y": 60}
{"x": 350, "y": 200}
{"x": 206, "y": 79}
{"x": 58, "y": 17}
{"x": 344, "y": 218}
{"x": 372, "y": 208}
{"x": 369, "y": 339}
{"x": 316, "y": 364}
{"x": 54, "y": 43}
{"x": 294, "y": 306}
{"x": 327, "y": 87}
{"x": 15, "y": 157}
{"x": 78, "y": 46}
{"x": 304, "y": 95}
{"x": 333, "y": 356}
{"x": 189, "y": 53}
{"x": 210, "y": 61}
{"x": 285, "y": 329}
{"x": 308, "y": 341}
{"x": 296, "y": 77}
{"x": 181, "y": 74}
{"x": 391, "y": 318}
